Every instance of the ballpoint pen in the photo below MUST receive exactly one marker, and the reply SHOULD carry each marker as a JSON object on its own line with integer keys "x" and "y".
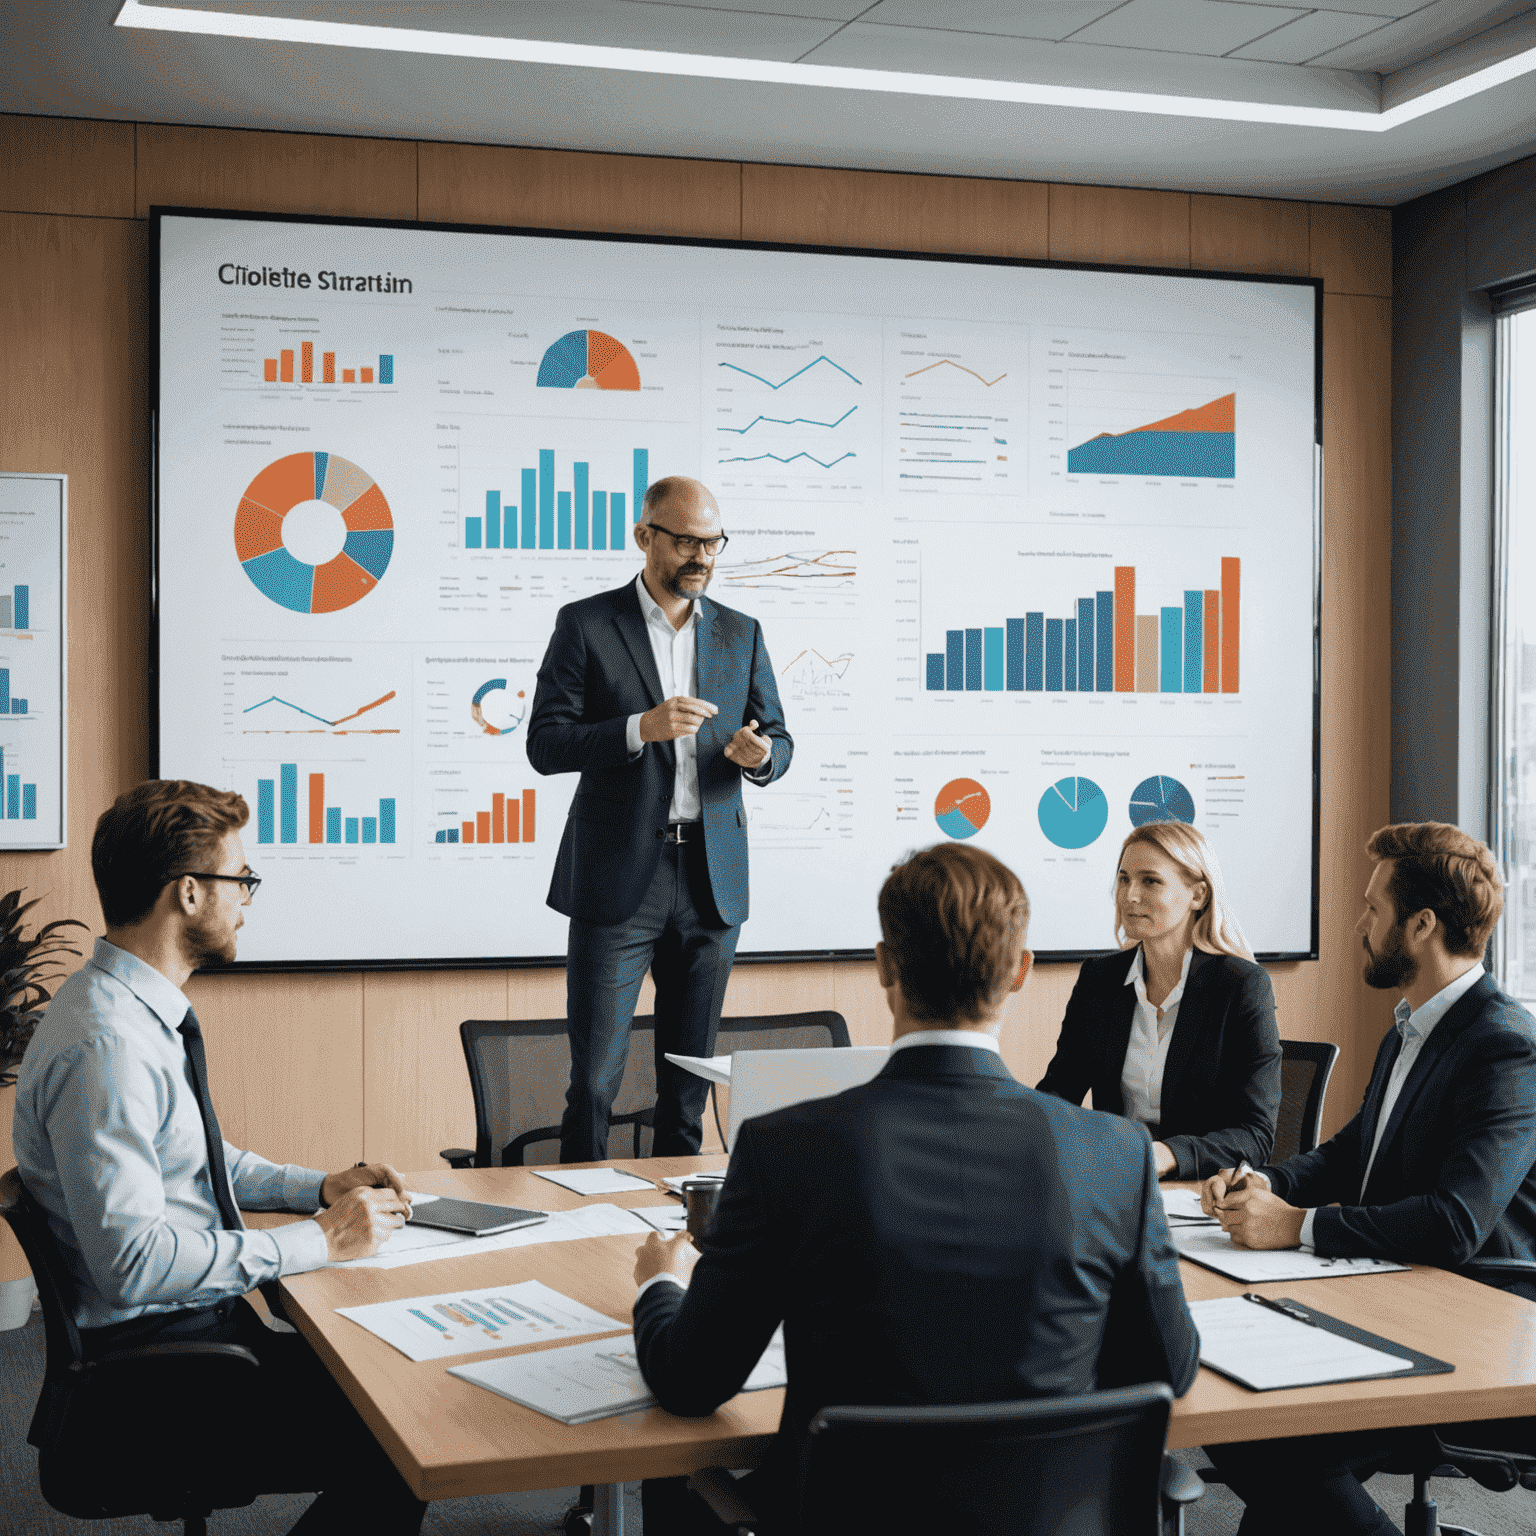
{"x": 1286, "y": 1308}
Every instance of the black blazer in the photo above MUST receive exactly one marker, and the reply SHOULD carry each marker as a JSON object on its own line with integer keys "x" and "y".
{"x": 1454, "y": 1176}
{"x": 597, "y": 672}
{"x": 941, "y": 1234}
{"x": 1221, "y": 1084}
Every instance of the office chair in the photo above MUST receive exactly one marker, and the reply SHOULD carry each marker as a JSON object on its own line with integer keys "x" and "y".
{"x": 1093, "y": 1465}
{"x": 130, "y": 1432}
{"x": 1305, "y": 1067}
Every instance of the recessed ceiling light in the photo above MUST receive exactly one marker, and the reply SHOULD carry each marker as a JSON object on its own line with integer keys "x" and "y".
{"x": 649, "y": 61}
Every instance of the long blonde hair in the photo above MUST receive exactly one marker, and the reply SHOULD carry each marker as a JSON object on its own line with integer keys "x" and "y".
{"x": 1217, "y": 931}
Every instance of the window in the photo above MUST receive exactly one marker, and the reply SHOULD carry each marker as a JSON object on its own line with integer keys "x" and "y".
{"x": 1514, "y": 695}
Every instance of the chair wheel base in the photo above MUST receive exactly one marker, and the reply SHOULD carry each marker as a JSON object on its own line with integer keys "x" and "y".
{"x": 577, "y": 1521}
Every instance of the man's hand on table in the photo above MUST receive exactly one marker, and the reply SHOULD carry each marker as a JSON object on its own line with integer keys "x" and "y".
{"x": 363, "y": 1206}
{"x": 1249, "y": 1213}
{"x": 659, "y": 1255}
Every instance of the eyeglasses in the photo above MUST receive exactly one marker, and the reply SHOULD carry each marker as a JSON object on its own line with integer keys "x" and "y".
{"x": 688, "y": 545}
{"x": 247, "y": 882}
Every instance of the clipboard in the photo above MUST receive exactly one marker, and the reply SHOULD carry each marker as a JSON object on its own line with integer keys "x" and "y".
{"x": 1289, "y": 1315}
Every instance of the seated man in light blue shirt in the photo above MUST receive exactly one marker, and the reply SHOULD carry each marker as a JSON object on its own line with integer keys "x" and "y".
{"x": 116, "y": 1139}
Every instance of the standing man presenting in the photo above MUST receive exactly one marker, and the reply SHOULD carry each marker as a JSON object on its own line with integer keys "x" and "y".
{"x": 662, "y": 701}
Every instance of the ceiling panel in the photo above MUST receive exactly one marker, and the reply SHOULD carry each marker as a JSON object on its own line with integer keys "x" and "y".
{"x": 1050, "y": 19}
{"x": 835, "y": 10}
{"x": 1309, "y": 36}
{"x": 1426, "y": 32}
{"x": 1185, "y": 26}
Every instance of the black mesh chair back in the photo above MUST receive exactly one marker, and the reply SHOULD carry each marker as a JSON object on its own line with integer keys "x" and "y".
{"x": 1088, "y": 1466}
{"x": 519, "y": 1070}
{"x": 781, "y": 1032}
{"x": 1305, "y": 1067}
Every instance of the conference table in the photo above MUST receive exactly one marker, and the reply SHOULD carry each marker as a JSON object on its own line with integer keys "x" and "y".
{"x": 450, "y": 1438}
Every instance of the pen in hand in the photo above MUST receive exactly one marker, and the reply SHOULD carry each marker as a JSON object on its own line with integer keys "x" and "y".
{"x": 1240, "y": 1179}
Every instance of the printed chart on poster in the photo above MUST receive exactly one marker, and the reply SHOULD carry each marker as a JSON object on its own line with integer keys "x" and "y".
{"x": 1034, "y": 550}
{"x": 34, "y": 712}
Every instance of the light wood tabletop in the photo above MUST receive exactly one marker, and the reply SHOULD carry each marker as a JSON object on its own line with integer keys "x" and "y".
{"x": 449, "y": 1438}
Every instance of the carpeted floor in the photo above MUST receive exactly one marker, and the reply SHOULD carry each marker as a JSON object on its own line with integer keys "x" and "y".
{"x": 23, "y": 1513}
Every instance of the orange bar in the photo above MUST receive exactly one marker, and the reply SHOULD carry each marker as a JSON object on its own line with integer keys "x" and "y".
{"x": 317, "y": 807}
{"x": 498, "y": 818}
{"x": 286, "y": 370}
{"x": 1212, "y": 642}
{"x": 367, "y": 375}
{"x": 527, "y": 815}
{"x": 269, "y": 369}
{"x": 1231, "y": 607}
{"x": 349, "y": 376}
{"x": 467, "y": 832}
{"x": 306, "y": 362}
{"x": 1125, "y": 629}
{"x": 513, "y": 811}
{"x": 327, "y": 367}
{"x": 482, "y": 826}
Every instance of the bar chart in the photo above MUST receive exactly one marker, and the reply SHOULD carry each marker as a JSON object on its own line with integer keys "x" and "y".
{"x": 278, "y": 818}
{"x": 511, "y": 819}
{"x": 9, "y": 703}
{"x": 19, "y": 802}
{"x": 280, "y": 369}
{"x": 16, "y": 609}
{"x": 540, "y": 516}
{"x": 1102, "y": 645}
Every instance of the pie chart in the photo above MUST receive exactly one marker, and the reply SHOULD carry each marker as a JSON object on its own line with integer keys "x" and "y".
{"x": 961, "y": 808}
{"x": 588, "y": 360}
{"x": 1161, "y": 799}
{"x": 337, "y": 490}
{"x": 1073, "y": 812}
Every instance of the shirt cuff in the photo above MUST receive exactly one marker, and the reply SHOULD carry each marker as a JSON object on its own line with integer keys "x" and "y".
{"x": 632, "y": 740}
{"x": 667, "y": 1275}
{"x": 1306, "y": 1231}
{"x": 759, "y": 775}
{"x": 301, "y": 1247}
{"x": 301, "y": 1188}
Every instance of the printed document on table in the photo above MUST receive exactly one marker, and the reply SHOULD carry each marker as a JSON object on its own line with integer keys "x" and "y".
{"x": 1184, "y": 1205}
{"x": 461, "y": 1322}
{"x": 1264, "y": 1349}
{"x": 594, "y": 1181}
{"x": 420, "y": 1245}
{"x": 676, "y": 1181}
{"x": 1215, "y": 1250}
{"x": 715, "y": 1069}
{"x": 594, "y": 1380}
{"x": 669, "y": 1220}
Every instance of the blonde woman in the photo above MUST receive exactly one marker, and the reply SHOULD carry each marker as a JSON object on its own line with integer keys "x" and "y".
{"x": 1177, "y": 1030}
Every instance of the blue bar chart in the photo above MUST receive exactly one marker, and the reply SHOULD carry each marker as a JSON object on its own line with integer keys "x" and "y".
{"x": 539, "y": 516}
{"x": 10, "y": 704}
{"x": 16, "y": 609}
{"x": 277, "y": 814}
{"x": 19, "y": 802}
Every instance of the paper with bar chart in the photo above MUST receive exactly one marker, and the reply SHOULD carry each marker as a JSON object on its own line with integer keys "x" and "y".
{"x": 1032, "y": 548}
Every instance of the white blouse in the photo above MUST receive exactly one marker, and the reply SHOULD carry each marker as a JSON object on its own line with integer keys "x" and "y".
{"x": 1146, "y": 1055}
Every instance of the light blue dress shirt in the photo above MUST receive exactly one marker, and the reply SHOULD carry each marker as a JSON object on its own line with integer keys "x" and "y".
{"x": 110, "y": 1143}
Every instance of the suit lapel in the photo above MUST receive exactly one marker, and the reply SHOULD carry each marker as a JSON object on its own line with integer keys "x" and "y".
{"x": 630, "y": 622}
{"x": 1182, "y": 1046}
{"x": 706, "y": 658}
{"x": 1119, "y": 1012}
{"x": 1386, "y": 1057}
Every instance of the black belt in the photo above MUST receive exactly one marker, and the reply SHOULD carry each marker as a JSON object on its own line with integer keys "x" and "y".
{"x": 678, "y": 833}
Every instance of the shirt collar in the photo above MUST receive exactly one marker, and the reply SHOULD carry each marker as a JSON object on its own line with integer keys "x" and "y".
{"x": 1137, "y": 977}
{"x": 1415, "y": 1024}
{"x": 971, "y": 1037}
{"x": 162, "y": 997}
{"x": 656, "y": 614}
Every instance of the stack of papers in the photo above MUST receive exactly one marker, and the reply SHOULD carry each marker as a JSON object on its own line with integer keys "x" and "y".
{"x": 678, "y": 1180}
{"x": 1264, "y": 1349}
{"x": 1215, "y": 1250}
{"x": 596, "y": 1380}
{"x": 594, "y": 1181}
{"x": 714, "y": 1069}
{"x": 1182, "y": 1206}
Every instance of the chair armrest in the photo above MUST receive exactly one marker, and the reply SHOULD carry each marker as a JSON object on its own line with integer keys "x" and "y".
{"x": 205, "y": 1354}
{"x": 1509, "y": 1268}
{"x": 458, "y": 1157}
{"x": 719, "y": 1490}
{"x": 1179, "y": 1485}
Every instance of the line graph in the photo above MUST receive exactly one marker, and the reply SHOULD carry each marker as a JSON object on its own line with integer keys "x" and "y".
{"x": 792, "y": 421}
{"x": 323, "y": 725}
{"x": 795, "y": 375}
{"x": 945, "y": 362}
{"x": 794, "y": 571}
{"x": 815, "y": 676}
{"x": 758, "y": 458}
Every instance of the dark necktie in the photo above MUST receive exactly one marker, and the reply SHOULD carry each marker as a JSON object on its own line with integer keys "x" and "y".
{"x": 197, "y": 1064}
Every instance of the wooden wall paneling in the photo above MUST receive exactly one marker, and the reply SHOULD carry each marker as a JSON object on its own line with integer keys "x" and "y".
{"x": 63, "y": 165}
{"x": 285, "y": 1064}
{"x": 416, "y": 1097}
{"x": 274, "y": 172}
{"x": 1249, "y": 234}
{"x": 558, "y": 189}
{"x": 1125, "y": 226}
{"x": 966, "y": 216}
{"x": 1352, "y": 249}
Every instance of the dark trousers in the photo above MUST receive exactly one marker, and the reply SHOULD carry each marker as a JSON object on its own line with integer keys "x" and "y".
{"x": 296, "y": 1433}
{"x": 678, "y": 936}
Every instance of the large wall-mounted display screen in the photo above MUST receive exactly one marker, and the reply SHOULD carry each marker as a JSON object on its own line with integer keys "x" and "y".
{"x": 1034, "y": 548}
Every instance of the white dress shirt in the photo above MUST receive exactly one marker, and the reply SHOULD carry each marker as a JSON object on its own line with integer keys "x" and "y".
{"x": 110, "y": 1143}
{"x": 1146, "y": 1053}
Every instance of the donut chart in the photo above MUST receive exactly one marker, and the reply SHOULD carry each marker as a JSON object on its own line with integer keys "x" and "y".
{"x": 588, "y": 360}
{"x": 292, "y": 583}
{"x": 961, "y": 808}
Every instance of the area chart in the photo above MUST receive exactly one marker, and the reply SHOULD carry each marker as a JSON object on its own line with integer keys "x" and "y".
{"x": 1191, "y": 445}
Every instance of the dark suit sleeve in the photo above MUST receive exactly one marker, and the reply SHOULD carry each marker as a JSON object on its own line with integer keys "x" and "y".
{"x": 560, "y": 740}
{"x": 697, "y": 1347}
{"x": 1488, "y": 1154}
{"x": 1149, "y": 1335}
{"x": 1247, "y": 1097}
{"x": 1070, "y": 1074}
{"x": 764, "y": 707}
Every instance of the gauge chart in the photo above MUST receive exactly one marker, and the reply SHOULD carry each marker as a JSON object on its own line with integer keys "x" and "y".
{"x": 588, "y": 360}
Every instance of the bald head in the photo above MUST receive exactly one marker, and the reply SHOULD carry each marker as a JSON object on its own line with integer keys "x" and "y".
{"x": 678, "y": 508}
{"x": 678, "y": 495}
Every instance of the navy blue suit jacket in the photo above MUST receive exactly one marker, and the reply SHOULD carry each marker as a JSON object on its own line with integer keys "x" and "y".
{"x": 941, "y": 1234}
{"x": 1454, "y": 1178}
{"x": 598, "y": 671}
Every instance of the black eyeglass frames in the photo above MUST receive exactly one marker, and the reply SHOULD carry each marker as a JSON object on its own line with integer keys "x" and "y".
{"x": 248, "y": 882}
{"x": 689, "y": 545}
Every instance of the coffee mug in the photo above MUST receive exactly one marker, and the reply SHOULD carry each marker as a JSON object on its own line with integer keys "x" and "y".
{"x": 701, "y": 1195}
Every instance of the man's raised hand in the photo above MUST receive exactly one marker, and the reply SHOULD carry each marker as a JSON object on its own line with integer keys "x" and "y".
{"x": 678, "y": 716}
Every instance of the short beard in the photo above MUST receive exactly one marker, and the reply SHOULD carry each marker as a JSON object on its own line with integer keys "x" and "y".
{"x": 1394, "y": 967}
{"x": 677, "y": 589}
{"x": 203, "y": 946}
